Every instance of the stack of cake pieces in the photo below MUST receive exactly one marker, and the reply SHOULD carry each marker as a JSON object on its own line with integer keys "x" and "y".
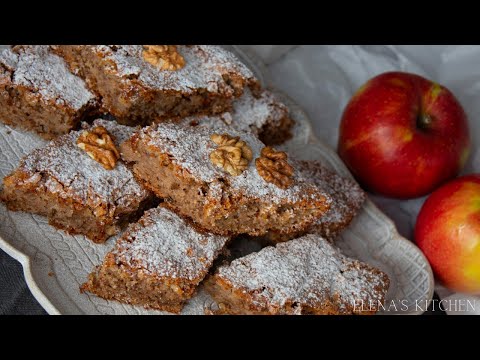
{"x": 187, "y": 165}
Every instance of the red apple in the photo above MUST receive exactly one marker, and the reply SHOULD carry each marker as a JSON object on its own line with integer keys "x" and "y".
{"x": 402, "y": 135}
{"x": 448, "y": 232}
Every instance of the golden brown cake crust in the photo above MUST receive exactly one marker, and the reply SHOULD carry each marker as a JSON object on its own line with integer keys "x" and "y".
{"x": 185, "y": 176}
{"x": 157, "y": 263}
{"x": 303, "y": 276}
{"x": 137, "y": 92}
{"x": 75, "y": 192}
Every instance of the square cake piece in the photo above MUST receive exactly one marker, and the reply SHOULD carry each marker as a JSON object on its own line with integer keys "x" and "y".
{"x": 157, "y": 263}
{"x": 303, "y": 276}
{"x": 142, "y": 83}
{"x": 76, "y": 193}
{"x": 347, "y": 200}
{"x": 225, "y": 180}
{"x": 38, "y": 92}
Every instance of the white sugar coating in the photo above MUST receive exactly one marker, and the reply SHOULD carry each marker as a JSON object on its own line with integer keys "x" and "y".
{"x": 347, "y": 196}
{"x": 165, "y": 245}
{"x": 190, "y": 147}
{"x": 306, "y": 271}
{"x": 205, "y": 66}
{"x": 249, "y": 113}
{"x": 72, "y": 173}
{"x": 46, "y": 74}
{"x": 252, "y": 113}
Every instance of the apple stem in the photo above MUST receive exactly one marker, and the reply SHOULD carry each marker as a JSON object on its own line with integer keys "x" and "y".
{"x": 424, "y": 121}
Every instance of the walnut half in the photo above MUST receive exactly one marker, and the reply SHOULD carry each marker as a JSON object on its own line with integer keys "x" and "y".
{"x": 273, "y": 167}
{"x": 232, "y": 154}
{"x": 165, "y": 57}
{"x": 99, "y": 145}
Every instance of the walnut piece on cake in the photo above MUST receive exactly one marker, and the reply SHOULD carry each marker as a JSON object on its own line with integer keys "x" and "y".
{"x": 157, "y": 263}
{"x": 216, "y": 200}
{"x": 76, "y": 193}
{"x": 232, "y": 154}
{"x": 165, "y": 57}
{"x": 273, "y": 167}
{"x": 302, "y": 276}
{"x": 38, "y": 92}
{"x": 99, "y": 144}
{"x": 137, "y": 91}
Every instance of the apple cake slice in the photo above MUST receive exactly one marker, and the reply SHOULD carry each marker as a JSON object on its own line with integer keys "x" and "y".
{"x": 307, "y": 275}
{"x": 157, "y": 263}
{"x": 225, "y": 180}
{"x": 79, "y": 194}
{"x": 38, "y": 92}
{"x": 144, "y": 83}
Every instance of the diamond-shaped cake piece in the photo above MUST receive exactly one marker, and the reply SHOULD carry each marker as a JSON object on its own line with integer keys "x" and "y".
{"x": 157, "y": 263}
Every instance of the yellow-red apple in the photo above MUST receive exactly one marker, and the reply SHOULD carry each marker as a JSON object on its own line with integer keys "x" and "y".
{"x": 448, "y": 233}
{"x": 402, "y": 135}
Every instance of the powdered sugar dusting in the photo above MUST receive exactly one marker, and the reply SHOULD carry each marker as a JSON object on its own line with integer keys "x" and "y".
{"x": 306, "y": 271}
{"x": 165, "y": 245}
{"x": 46, "y": 74}
{"x": 204, "y": 68}
{"x": 72, "y": 173}
{"x": 347, "y": 196}
{"x": 190, "y": 147}
{"x": 251, "y": 113}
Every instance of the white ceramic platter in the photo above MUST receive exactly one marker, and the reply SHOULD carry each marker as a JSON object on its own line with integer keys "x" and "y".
{"x": 55, "y": 264}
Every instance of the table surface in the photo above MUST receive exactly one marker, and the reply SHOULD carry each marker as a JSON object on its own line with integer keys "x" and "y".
{"x": 15, "y": 297}
{"x": 287, "y": 64}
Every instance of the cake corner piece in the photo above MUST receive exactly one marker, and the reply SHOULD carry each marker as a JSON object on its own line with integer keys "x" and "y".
{"x": 39, "y": 93}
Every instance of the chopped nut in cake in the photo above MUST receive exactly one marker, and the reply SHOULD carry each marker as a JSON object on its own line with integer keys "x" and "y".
{"x": 76, "y": 193}
{"x": 347, "y": 200}
{"x": 38, "y": 92}
{"x": 157, "y": 263}
{"x": 140, "y": 84}
{"x": 302, "y": 276}
{"x": 173, "y": 160}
